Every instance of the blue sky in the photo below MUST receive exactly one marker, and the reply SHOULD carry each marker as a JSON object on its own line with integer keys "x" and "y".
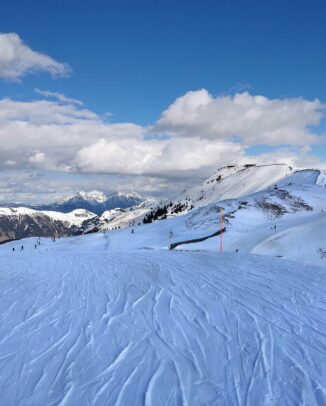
{"x": 135, "y": 58}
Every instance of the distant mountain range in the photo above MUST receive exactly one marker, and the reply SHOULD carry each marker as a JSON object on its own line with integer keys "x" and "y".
{"x": 274, "y": 190}
{"x": 95, "y": 202}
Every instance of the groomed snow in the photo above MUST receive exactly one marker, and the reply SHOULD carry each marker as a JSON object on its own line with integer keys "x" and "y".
{"x": 85, "y": 321}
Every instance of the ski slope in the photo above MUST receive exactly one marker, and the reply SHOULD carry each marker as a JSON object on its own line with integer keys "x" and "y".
{"x": 232, "y": 182}
{"x": 86, "y": 321}
{"x": 299, "y": 233}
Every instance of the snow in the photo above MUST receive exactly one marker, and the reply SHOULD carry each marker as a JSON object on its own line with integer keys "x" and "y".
{"x": 299, "y": 234}
{"x": 123, "y": 217}
{"x": 235, "y": 181}
{"x": 75, "y": 217}
{"x": 114, "y": 317}
{"x": 295, "y": 242}
{"x": 96, "y": 196}
{"x": 99, "y": 197}
{"x": 85, "y": 321}
{"x": 322, "y": 178}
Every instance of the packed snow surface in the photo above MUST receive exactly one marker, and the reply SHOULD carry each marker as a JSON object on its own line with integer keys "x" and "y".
{"x": 90, "y": 321}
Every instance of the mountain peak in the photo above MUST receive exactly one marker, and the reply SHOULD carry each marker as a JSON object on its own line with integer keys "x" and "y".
{"x": 96, "y": 201}
{"x": 96, "y": 195}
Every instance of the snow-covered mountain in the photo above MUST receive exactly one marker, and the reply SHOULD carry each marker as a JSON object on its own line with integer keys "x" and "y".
{"x": 119, "y": 218}
{"x": 21, "y": 222}
{"x": 255, "y": 194}
{"x": 287, "y": 220}
{"x": 95, "y": 201}
{"x": 282, "y": 216}
{"x": 226, "y": 183}
{"x": 231, "y": 182}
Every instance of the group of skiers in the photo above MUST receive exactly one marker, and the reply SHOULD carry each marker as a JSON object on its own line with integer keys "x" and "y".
{"x": 21, "y": 248}
{"x": 38, "y": 242}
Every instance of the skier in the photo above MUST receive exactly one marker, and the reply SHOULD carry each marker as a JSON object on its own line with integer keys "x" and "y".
{"x": 22, "y": 248}
{"x": 132, "y": 231}
{"x": 13, "y": 249}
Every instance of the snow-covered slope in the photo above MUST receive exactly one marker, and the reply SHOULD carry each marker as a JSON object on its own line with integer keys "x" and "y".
{"x": 16, "y": 223}
{"x": 263, "y": 222}
{"x": 90, "y": 321}
{"x": 229, "y": 182}
{"x": 119, "y": 218}
{"x": 287, "y": 221}
{"x": 298, "y": 201}
{"x": 235, "y": 181}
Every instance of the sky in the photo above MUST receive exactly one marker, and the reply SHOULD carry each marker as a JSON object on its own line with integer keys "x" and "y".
{"x": 153, "y": 96}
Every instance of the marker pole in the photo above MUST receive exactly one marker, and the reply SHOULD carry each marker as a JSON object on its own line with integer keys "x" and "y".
{"x": 221, "y": 232}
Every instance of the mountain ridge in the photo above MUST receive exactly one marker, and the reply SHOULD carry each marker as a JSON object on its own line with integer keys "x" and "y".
{"x": 230, "y": 183}
{"x": 94, "y": 201}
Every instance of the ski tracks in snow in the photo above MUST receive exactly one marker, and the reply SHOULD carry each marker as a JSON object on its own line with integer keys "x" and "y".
{"x": 155, "y": 328}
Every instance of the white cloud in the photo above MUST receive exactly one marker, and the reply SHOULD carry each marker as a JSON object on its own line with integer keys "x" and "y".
{"x": 37, "y": 158}
{"x": 10, "y": 163}
{"x": 301, "y": 158}
{"x": 76, "y": 139}
{"x": 18, "y": 59}
{"x": 156, "y": 157}
{"x": 62, "y": 135}
{"x": 45, "y": 187}
{"x": 58, "y": 96}
{"x": 255, "y": 119}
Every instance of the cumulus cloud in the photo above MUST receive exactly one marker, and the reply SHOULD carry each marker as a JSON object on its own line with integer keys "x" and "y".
{"x": 54, "y": 136}
{"x": 253, "y": 119}
{"x": 155, "y": 157}
{"x": 18, "y": 59}
{"x": 57, "y": 130}
{"x": 196, "y": 134}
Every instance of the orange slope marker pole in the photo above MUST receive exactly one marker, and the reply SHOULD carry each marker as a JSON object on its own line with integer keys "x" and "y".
{"x": 221, "y": 228}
